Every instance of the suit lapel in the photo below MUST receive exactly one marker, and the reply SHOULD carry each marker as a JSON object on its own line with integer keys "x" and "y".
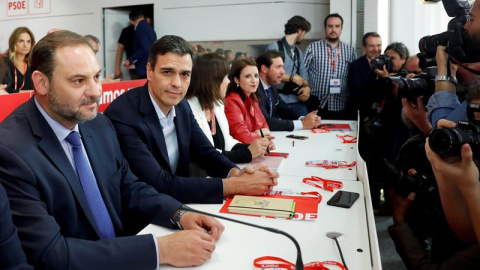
{"x": 182, "y": 127}
{"x": 52, "y": 148}
{"x": 150, "y": 119}
{"x": 97, "y": 162}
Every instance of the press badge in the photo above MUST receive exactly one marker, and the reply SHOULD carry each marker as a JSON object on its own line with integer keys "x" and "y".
{"x": 335, "y": 86}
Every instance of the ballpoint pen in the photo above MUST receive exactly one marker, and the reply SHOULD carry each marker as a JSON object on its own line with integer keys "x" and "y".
{"x": 261, "y": 133}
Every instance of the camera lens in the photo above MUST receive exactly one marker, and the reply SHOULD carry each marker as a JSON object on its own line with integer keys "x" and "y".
{"x": 444, "y": 141}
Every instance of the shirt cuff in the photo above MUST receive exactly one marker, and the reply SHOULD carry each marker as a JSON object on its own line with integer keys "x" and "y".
{"x": 156, "y": 250}
{"x": 297, "y": 124}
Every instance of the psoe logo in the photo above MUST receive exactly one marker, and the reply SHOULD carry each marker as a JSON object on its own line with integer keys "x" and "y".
{"x": 38, "y": 3}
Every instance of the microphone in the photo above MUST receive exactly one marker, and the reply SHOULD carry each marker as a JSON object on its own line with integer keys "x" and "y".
{"x": 335, "y": 236}
{"x": 298, "y": 263}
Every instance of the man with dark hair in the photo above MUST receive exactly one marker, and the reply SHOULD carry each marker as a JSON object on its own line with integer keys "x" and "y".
{"x": 278, "y": 115}
{"x": 294, "y": 88}
{"x": 159, "y": 136}
{"x": 71, "y": 190}
{"x": 125, "y": 44}
{"x": 327, "y": 62}
{"x": 362, "y": 80}
{"x": 143, "y": 39}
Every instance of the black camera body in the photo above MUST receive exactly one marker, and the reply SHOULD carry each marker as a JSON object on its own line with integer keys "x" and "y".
{"x": 449, "y": 141}
{"x": 382, "y": 60}
{"x": 411, "y": 88}
{"x": 412, "y": 156}
{"x": 455, "y": 38}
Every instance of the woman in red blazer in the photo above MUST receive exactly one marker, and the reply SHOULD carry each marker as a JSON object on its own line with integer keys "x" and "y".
{"x": 243, "y": 113}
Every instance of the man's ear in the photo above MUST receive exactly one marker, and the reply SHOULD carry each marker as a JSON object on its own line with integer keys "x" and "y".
{"x": 149, "y": 71}
{"x": 264, "y": 69}
{"x": 40, "y": 82}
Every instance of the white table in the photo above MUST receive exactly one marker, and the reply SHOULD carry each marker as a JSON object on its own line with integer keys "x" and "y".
{"x": 240, "y": 244}
{"x": 318, "y": 146}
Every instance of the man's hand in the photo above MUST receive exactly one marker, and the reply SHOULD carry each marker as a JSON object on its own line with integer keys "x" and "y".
{"x": 462, "y": 172}
{"x": 298, "y": 80}
{"x": 383, "y": 72}
{"x": 304, "y": 94}
{"x": 417, "y": 114}
{"x": 252, "y": 181}
{"x": 126, "y": 63}
{"x": 202, "y": 223}
{"x": 110, "y": 79}
{"x": 185, "y": 248}
{"x": 118, "y": 72}
{"x": 400, "y": 206}
{"x": 311, "y": 120}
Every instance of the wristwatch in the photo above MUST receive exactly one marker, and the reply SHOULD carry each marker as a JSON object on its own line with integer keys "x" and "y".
{"x": 176, "y": 218}
{"x": 446, "y": 78}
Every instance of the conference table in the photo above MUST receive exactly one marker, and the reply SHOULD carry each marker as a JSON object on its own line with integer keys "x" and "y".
{"x": 240, "y": 244}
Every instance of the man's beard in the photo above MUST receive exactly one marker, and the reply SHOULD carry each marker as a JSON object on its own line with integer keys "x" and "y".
{"x": 332, "y": 39}
{"x": 62, "y": 109}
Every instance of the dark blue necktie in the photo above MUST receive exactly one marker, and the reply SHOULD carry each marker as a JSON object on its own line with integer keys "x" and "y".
{"x": 269, "y": 96}
{"x": 90, "y": 187}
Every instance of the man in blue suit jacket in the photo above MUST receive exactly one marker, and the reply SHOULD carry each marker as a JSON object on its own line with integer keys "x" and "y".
{"x": 39, "y": 169}
{"x": 159, "y": 135}
{"x": 279, "y": 115}
{"x": 143, "y": 39}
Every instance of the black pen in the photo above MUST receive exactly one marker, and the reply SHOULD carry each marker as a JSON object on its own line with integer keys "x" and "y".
{"x": 261, "y": 133}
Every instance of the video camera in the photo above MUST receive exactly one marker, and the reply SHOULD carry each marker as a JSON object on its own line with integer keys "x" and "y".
{"x": 455, "y": 38}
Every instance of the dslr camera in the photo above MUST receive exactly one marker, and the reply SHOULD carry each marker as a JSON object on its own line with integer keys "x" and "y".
{"x": 411, "y": 88}
{"x": 449, "y": 141}
{"x": 455, "y": 38}
{"x": 382, "y": 60}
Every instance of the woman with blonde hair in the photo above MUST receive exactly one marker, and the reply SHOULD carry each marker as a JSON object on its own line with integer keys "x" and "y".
{"x": 17, "y": 59}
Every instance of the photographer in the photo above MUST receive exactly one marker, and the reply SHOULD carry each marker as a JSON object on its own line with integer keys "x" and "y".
{"x": 386, "y": 128}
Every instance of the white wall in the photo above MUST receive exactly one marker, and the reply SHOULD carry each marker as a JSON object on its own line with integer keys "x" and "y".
{"x": 209, "y": 20}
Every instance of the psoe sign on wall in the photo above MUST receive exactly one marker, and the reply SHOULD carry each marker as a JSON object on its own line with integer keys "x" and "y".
{"x": 27, "y": 7}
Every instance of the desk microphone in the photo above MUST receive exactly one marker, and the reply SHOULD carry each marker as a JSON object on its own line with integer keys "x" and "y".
{"x": 299, "y": 262}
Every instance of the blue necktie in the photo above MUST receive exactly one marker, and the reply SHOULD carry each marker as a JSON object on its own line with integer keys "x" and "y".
{"x": 269, "y": 96}
{"x": 90, "y": 187}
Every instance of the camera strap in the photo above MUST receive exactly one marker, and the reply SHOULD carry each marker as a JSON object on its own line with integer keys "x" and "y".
{"x": 328, "y": 185}
{"x": 279, "y": 263}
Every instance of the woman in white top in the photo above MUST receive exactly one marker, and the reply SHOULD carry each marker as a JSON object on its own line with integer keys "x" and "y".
{"x": 206, "y": 95}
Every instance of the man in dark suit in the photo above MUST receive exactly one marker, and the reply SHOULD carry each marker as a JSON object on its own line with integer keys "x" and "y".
{"x": 277, "y": 113}
{"x": 70, "y": 188}
{"x": 362, "y": 80}
{"x": 143, "y": 39}
{"x": 11, "y": 253}
{"x": 159, "y": 135}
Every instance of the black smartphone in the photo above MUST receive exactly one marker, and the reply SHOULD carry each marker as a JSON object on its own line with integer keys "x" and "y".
{"x": 297, "y": 137}
{"x": 343, "y": 199}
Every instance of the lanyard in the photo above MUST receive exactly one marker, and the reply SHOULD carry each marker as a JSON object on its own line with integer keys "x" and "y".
{"x": 347, "y": 138}
{"x": 284, "y": 264}
{"x": 328, "y": 185}
{"x": 332, "y": 61}
{"x": 329, "y": 164}
{"x": 24, "y": 75}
